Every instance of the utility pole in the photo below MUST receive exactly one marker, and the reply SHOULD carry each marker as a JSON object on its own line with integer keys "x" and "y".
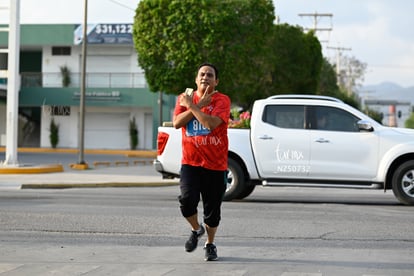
{"x": 13, "y": 85}
{"x": 81, "y": 161}
{"x": 316, "y": 16}
{"x": 338, "y": 61}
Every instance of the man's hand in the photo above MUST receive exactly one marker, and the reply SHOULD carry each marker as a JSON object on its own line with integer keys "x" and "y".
{"x": 205, "y": 100}
{"x": 186, "y": 100}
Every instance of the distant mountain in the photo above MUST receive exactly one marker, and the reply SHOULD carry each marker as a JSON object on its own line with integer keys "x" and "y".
{"x": 387, "y": 91}
{"x": 382, "y": 87}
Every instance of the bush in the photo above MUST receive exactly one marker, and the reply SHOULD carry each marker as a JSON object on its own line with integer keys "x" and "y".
{"x": 54, "y": 133}
{"x": 64, "y": 70}
{"x": 133, "y": 134}
{"x": 410, "y": 121}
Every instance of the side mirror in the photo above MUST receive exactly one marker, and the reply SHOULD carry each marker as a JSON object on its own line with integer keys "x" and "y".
{"x": 364, "y": 125}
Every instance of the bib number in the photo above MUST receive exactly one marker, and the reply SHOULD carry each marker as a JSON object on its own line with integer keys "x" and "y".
{"x": 195, "y": 128}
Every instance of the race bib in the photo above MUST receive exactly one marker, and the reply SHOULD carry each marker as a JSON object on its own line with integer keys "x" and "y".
{"x": 195, "y": 128}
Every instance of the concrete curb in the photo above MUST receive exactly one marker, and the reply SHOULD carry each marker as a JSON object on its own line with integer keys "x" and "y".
{"x": 51, "y": 168}
{"x": 128, "y": 153}
{"x": 82, "y": 179}
{"x": 97, "y": 185}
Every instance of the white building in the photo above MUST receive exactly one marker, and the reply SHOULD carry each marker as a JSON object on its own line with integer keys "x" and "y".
{"x": 394, "y": 113}
{"x": 116, "y": 90}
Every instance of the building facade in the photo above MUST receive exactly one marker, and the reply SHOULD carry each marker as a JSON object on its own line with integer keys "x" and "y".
{"x": 394, "y": 113}
{"x": 116, "y": 92}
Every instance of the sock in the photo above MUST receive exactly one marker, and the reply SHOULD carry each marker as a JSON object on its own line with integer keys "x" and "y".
{"x": 198, "y": 230}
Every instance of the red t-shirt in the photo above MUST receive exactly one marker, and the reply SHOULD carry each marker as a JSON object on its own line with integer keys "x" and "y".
{"x": 202, "y": 147}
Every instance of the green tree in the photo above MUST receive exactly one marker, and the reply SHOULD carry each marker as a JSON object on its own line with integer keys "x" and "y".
{"x": 352, "y": 74}
{"x": 327, "y": 80}
{"x": 173, "y": 36}
{"x": 409, "y": 123}
{"x": 373, "y": 114}
{"x": 297, "y": 61}
{"x": 255, "y": 58}
{"x": 328, "y": 87}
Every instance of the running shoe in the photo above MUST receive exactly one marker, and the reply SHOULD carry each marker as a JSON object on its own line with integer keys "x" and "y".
{"x": 191, "y": 244}
{"x": 210, "y": 252}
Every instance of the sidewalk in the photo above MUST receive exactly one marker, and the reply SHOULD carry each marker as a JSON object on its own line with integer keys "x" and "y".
{"x": 134, "y": 173}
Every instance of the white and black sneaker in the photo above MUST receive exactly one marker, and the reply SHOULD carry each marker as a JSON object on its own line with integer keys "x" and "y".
{"x": 191, "y": 244}
{"x": 210, "y": 251}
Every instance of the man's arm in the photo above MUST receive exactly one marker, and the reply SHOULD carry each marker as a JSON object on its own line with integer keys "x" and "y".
{"x": 183, "y": 118}
{"x": 208, "y": 121}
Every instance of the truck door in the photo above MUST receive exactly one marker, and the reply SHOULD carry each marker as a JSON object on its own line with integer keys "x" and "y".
{"x": 280, "y": 142}
{"x": 339, "y": 151}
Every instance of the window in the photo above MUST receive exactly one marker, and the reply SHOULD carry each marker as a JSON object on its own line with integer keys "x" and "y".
{"x": 61, "y": 51}
{"x": 285, "y": 116}
{"x": 334, "y": 119}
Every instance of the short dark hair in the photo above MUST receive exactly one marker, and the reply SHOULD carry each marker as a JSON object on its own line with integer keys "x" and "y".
{"x": 209, "y": 65}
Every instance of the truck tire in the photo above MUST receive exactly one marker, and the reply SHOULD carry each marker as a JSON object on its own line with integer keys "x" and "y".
{"x": 403, "y": 183}
{"x": 247, "y": 191}
{"x": 235, "y": 181}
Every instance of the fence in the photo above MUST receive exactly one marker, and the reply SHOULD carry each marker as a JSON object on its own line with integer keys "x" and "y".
{"x": 102, "y": 80}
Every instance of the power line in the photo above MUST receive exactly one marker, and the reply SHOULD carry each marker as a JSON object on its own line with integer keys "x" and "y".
{"x": 315, "y": 20}
{"x": 392, "y": 66}
{"x": 121, "y": 4}
{"x": 315, "y": 27}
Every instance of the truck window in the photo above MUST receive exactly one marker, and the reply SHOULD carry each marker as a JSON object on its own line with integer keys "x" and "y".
{"x": 333, "y": 119}
{"x": 284, "y": 116}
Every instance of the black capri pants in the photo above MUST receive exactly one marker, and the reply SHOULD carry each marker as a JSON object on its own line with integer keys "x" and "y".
{"x": 210, "y": 184}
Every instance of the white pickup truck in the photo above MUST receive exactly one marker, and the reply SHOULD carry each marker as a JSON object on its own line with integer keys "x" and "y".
{"x": 308, "y": 141}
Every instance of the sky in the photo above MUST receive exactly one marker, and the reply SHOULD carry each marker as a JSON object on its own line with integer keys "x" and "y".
{"x": 378, "y": 33}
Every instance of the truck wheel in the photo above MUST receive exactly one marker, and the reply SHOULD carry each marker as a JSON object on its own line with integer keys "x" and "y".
{"x": 247, "y": 191}
{"x": 403, "y": 183}
{"x": 235, "y": 181}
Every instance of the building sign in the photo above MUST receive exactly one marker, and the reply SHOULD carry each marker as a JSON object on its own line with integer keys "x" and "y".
{"x": 99, "y": 96}
{"x": 56, "y": 110}
{"x": 118, "y": 33}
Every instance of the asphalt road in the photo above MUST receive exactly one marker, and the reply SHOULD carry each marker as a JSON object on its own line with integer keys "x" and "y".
{"x": 139, "y": 231}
